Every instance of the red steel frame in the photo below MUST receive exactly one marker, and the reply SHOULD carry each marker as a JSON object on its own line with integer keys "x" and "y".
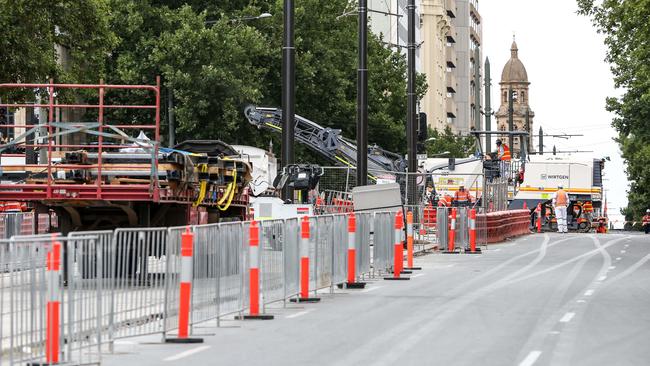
{"x": 99, "y": 190}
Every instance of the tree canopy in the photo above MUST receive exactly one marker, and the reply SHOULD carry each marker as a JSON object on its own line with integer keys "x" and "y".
{"x": 627, "y": 36}
{"x": 213, "y": 61}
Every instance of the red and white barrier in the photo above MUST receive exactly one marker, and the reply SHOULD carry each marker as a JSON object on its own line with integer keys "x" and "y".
{"x": 539, "y": 217}
{"x": 472, "y": 232}
{"x": 304, "y": 263}
{"x": 185, "y": 290}
{"x": 53, "y": 314}
{"x": 254, "y": 275}
{"x": 398, "y": 263}
{"x": 409, "y": 242}
{"x": 352, "y": 254}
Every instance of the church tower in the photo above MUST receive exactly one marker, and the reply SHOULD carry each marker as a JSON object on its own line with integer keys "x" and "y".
{"x": 514, "y": 77}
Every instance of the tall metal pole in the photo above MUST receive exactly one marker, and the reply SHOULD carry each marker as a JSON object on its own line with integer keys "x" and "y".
{"x": 288, "y": 91}
{"x": 511, "y": 123}
{"x": 529, "y": 138}
{"x": 541, "y": 141}
{"x": 477, "y": 89}
{"x": 362, "y": 96}
{"x": 411, "y": 120}
{"x": 488, "y": 106}
{"x": 171, "y": 117}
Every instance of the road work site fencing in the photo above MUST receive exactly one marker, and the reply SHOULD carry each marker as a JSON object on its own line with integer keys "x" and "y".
{"x": 68, "y": 298}
{"x": 24, "y": 223}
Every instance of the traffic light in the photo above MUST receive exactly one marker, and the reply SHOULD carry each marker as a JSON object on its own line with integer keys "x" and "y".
{"x": 422, "y": 130}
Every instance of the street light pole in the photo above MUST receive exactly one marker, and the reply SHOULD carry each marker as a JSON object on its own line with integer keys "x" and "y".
{"x": 362, "y": 96}
{"x": 488, "y": 108}
{"x": 288, "y": 92}
{"x": 411, "y": 121}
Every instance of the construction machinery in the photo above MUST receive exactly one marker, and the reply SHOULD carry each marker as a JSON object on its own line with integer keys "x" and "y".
{"x": 112, "y": 172}
{"x": 327, "y": 142}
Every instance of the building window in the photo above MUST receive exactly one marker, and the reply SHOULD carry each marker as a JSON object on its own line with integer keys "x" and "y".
{"x": 523, "y": 97}
{"x": 505, "y": 97}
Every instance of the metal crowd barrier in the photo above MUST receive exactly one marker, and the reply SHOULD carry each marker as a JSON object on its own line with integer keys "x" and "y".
{"x": 125, "y": 283}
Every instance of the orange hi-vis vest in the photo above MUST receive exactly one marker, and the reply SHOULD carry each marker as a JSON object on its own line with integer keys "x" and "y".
{"x": 461, "y": 196}
{"x": 506, "y": 153}
{"x": 588, "y": 207}
{"x": 646, "y": 219}
{"x": 561, "y": 198}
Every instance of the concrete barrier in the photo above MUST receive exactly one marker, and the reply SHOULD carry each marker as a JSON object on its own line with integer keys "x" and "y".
{"x": 506, "y": 224}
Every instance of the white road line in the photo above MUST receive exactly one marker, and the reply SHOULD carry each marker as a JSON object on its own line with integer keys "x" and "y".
{"x": 497, "y": 250}
{"x": 450, "y": 265}
{"x": 567, "y": 317}
{"x": 300, "y": 313}
{"x": 189, "y": 352}
{"x": 618, "y": 258}
{"x": 622, "y": 251}
{"x": 612, "y": 267}
{"x": 418, "y": 275}
{"x": 627, "y": 245}
{"x": 371, "y": 289}
{"x": 602, "y": 278}
{"x": 581, "y": 301}
{"x": 555, "y": 332}
{"x": 589, "y": 292}
{"x": 531, "y": 358}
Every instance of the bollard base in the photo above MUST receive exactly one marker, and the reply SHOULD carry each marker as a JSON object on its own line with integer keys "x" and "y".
{"x": 469, "y": 251}
{"x": 403, "y": 272}
{"x": 413, "y": 268}
{"x": 305, "y": 299}
{"x": 397, "y": 278}
{"x": 255, "y": 317}
{"x": 450, "y": 252}
{"x": 352, "y": 285}
{"x": 183, "y": 340}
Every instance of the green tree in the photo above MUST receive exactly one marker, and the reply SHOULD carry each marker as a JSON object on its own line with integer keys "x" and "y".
{"x": 32, "y": 30}
{"x": 627, "y": 37}
{"x": 457, "y": 146}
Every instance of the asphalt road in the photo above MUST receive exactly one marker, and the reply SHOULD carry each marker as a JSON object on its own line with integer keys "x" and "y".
{"x": 547, "y": 299}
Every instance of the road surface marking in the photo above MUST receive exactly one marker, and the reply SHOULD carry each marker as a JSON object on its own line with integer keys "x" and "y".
{"x": 602, "y": 278}
{"x": 371, "y": 289}
{"x": 622, "y": 251}
{"x": 555, "y": 332}
{"x": 618, "y": 258}
{"x": 581, "y": 301}
{"x": 589, "y": 292}
{"x": 567, "y": 317}
{"x": 417, "y": 275}
{"x": 612, "y": 267}
{"x": 450, "y": 265}
{"x": 531, "y": 358}
{"x": 627, "y": 245}
{"x": 496, "y": 250}
{"x": 189, "y": 352}
{"x": 300, "y": 313}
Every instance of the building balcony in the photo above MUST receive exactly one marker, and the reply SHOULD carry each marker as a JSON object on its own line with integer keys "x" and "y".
{"x": 451, "y": 34}
{"x": 473, "y": 34}
{"x": 450, "y": 56}
{"x": 452, "y": 83}
{"x": 450, "y": 7}
{"x": 474, "y": 12}
{"x": 452, "y": 108}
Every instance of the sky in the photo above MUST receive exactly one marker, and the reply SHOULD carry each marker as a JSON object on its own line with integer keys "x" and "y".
{"x": 564, "y": 57}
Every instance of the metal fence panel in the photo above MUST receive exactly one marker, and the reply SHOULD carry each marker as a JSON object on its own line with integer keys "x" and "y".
{"x": 291, "y": 257}
{"x": 323, "y": 251}
{"x": 339, "y": 249}
{"x": 362, "y": 244}
{"x": 272, "y": 237}
{"x": 442, "y": 226}
{"x": 141, "y": 262}
{"x": 383, "y": 241}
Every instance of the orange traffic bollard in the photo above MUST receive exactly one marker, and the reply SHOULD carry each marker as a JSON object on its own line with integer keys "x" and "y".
{"x": 304, "y": 264}
{"x": 399, "y": 250}
{"x": 352, "y": 254}
{"x": 451, "y": 249}
{"x": 539, "y": 217}
{"x": 254, "y": 275}
{"x": 409, "y": 242}
{"x": 53, "y": 314}
{"x": 185, "y": 291}
{"x": 472, "y": 233}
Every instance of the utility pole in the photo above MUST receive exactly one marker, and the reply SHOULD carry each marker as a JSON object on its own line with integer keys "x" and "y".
{"x": 527, "y": 129}
{"x": 511, "y": 123}
{"x": 477, "y": 89}
{"x": 541, "y": 141}
{"x": 488, "y": 107}
{"x": 411, "y": 121}
{"x": 288, "y": 92}
{"x": 362, "y": 96}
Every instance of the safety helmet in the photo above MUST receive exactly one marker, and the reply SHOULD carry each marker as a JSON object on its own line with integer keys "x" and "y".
{"x": 498, "y": 141}
{"x": 647, "y": 211}
{"x": 560, "y": 187}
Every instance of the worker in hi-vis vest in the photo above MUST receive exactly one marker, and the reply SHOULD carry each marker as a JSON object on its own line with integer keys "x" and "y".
{"x": 560, "y": 202}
